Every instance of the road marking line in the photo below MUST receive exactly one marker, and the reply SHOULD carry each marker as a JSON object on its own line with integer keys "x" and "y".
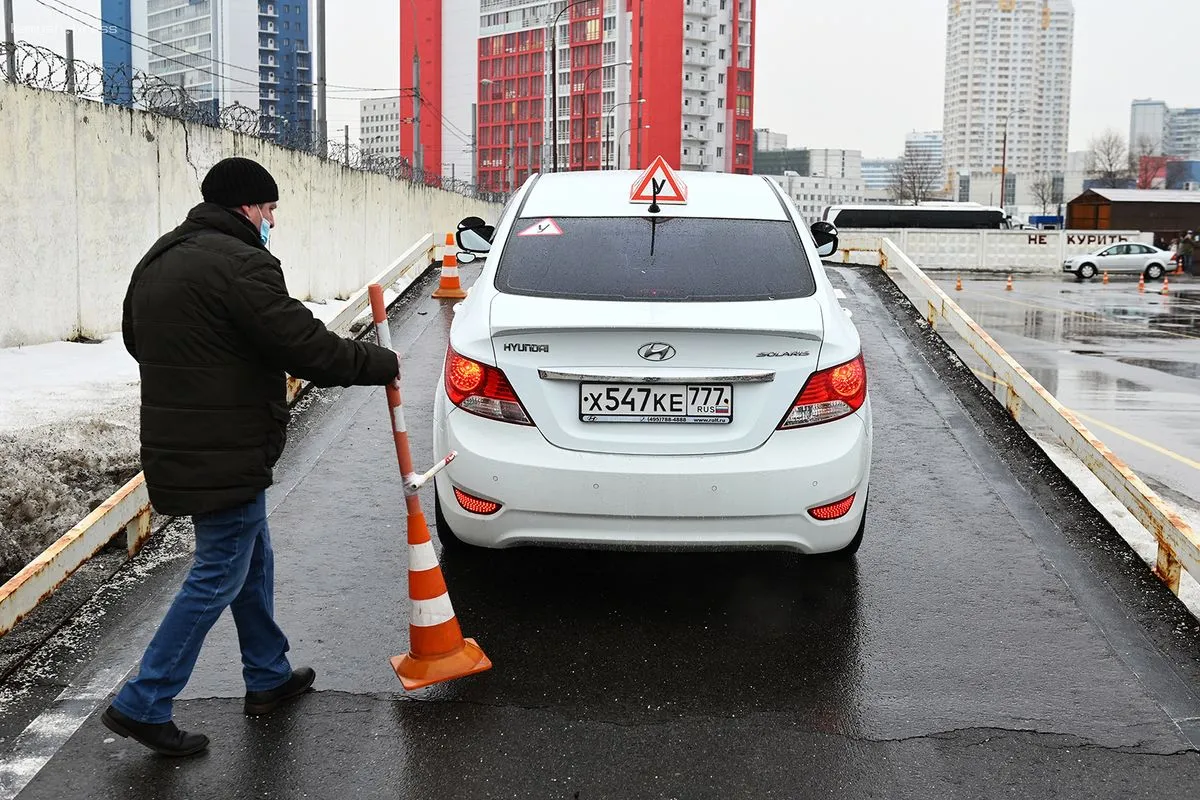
{"x": 839, "y": 294}
{"x": 1144, "y": 443}
{"x": 1095, "y": 314}
{"x": 44, "y": 737}
{"x": 1182, "y": 459}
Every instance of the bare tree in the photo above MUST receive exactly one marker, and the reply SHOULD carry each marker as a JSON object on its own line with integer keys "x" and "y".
{"x": 913, "y": 180}
{"x": 1148, "y": 161}
{"x": 1044, "y": 190}
{"x": 1109, "y": 160}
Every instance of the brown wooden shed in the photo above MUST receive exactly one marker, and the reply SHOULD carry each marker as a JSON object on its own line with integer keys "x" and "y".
{"x": 1159, "y": 211}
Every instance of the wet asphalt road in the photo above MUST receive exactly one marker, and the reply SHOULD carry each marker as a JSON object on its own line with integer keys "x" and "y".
{"x": 993, "y": 638}
{"x": 1128, "y": 362}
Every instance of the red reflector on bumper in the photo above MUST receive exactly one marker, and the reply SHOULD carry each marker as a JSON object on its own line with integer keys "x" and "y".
{"x": 834, "y": 510}
{"x": 475, "y": 505}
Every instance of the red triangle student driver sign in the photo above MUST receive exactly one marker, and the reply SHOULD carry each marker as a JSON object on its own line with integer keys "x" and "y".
{"x": 661, "y": 178}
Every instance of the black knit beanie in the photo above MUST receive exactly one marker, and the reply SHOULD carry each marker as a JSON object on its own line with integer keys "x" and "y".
{"x": 234, "y": 182}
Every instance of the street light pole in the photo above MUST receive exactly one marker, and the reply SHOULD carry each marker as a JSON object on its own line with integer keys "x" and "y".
{"x": 622, "y": 136}
{"x": 552, "y": 38}
{"x": 1004, "y": 157}
{"x": 612, "y": 108}
{"x": 586, "y": 80}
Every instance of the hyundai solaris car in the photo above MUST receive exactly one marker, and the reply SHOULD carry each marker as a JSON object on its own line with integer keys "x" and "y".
{"x": 652, "y": 365}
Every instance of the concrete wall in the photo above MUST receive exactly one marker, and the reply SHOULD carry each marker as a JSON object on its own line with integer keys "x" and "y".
{"x": 88, "y": 188}
{"x": 1008, "y": 251}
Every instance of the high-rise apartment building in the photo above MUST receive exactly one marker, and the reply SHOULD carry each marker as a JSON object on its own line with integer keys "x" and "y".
{"x": 1156, "y": 129}
{"x": 1008, "y": 67}
{"x": 255, "y": 53}
{"x": 626, "y": 81}
{"x": 379, "y": 126}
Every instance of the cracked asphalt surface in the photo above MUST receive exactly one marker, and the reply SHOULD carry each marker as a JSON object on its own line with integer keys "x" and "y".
{"x": 994, "y": 637}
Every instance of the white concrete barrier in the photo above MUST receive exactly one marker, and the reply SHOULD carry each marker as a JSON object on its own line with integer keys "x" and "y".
{"x": 1178, "y": 544}
{"x": 89, "y": 187}
{"x": 968, "y": 251}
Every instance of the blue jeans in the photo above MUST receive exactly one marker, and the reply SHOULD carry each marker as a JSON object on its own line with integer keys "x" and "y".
{"x": 234, "y": 566}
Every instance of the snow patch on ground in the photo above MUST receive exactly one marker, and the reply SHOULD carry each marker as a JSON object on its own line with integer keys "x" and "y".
{"x": 68, "y": 439}
{"x": 326, "y": 310}
{"x": 63, "y": 381}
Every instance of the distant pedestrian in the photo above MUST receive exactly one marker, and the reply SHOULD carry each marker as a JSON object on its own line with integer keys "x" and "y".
{"x": 209, "y": 319}
{"x": 1187, "y": 249}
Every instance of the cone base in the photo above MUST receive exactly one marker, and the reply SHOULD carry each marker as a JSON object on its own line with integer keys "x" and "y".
{"x": 415, "y": 673}
{"x": 449, "y": 294}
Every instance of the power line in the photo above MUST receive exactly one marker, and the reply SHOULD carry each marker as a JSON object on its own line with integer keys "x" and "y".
{"x": 181, "y": 50}
{"x": 87, "y": 24}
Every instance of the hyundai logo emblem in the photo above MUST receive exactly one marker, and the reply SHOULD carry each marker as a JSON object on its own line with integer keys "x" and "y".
{"x": 656, "y": 351}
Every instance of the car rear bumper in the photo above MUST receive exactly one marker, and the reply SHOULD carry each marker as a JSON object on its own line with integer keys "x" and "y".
{"x": 755, "y": 499}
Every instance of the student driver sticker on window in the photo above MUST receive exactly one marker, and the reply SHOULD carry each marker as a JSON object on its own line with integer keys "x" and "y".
{"x": 546, "y": 227}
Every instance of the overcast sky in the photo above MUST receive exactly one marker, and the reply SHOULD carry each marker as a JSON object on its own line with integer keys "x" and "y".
{"x": 855, "y": 74}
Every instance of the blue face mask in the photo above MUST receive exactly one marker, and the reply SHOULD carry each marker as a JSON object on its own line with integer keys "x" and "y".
{"x": 264, "y": 231}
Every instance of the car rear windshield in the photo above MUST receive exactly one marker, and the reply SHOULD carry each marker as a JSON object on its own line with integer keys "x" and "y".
{"x": 664, "y": 259}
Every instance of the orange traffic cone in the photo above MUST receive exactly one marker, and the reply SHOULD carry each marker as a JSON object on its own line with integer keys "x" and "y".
{"x": 437, "y": 650}
{"x": 1179, "y": 269}
{"x": 958, "y": 286}
{"x": 1008, "y": 286}
{"x": 1166, "y": 289}
{"x": 1141, "y": 284}
{"x": 1105, "y": 277}
{"x": 450, "y": 287}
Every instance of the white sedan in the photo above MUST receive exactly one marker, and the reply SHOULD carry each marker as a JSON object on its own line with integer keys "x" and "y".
{"x": 629, "y": 374}
{"x": 1128, "y": 257}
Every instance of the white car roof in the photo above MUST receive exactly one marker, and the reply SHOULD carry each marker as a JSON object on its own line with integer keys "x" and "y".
{"x": 606, "y": 193}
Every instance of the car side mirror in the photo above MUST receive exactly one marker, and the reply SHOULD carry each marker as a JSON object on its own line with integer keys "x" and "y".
{"x": 475, "y": 239}
{"x": 825, "y": 236}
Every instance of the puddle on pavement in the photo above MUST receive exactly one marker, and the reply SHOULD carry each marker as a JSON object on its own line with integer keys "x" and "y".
{"x": 1093, "y": 388}
{"x": 1180, "y": 369}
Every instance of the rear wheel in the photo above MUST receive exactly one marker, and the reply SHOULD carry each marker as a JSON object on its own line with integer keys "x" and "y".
{"x": 1087, "y": 271}
{"x": 445, "y": 533}
{"x": 852, "y": 548}
{"x": 1154, "y": 271}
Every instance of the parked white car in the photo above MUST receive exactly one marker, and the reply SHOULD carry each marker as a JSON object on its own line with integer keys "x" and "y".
{"x": 1127, "y": 257}
{"x": 626, "y": 375}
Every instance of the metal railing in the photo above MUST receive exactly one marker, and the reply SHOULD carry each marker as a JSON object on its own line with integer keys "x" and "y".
{"x": 1178, "y": 544}
{"x": 128, "y": 510}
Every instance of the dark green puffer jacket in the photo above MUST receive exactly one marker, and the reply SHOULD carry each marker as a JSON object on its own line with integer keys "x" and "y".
{"x": 208, "y": 317}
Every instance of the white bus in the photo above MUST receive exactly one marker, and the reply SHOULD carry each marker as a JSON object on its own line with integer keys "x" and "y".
{"x": 930, "y": 215}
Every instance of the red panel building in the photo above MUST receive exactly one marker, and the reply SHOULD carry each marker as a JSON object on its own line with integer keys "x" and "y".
{"x": 633, "y": 79}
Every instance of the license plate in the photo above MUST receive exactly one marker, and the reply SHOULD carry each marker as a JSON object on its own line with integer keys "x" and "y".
{"x": 702, "y": 403}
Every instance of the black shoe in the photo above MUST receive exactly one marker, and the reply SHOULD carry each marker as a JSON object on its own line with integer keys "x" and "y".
{"x": 163, "y": 738}
{"x": 264, "y": 702}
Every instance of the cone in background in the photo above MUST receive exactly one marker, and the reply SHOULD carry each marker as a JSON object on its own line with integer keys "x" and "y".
{"x": 1141, "y": 284}
{"x": 1166, "y": 289}
{"x": 437, "y": 650}
{"x": 450, "y": 287}
{"x": 958, "y": 286}
{"x": 1008, "y": 286}
{"x": 1105, "y": 277}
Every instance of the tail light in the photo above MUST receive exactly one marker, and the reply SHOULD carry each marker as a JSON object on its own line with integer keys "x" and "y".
{"x": 475, "y": 505}
{"x": 829, "y": 394}
{"x": 482, "y": 390}
{"x": 834, "y": 510}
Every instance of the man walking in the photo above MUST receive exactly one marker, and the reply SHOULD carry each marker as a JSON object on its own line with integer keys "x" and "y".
{"x": 208, "y": 317}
